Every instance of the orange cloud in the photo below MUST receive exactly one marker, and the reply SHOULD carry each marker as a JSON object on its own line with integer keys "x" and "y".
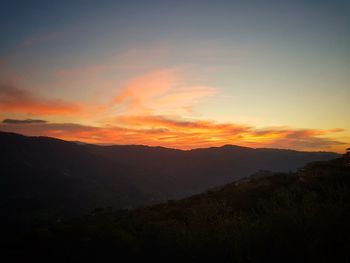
{"x": 16, "y": 100}
{"x": 198, "y": 126}
{"x": 161, "y": 131}
{"x": 161, "y": 90}
{"x": 148, "y": 109}
{"x": 140, "y": 91}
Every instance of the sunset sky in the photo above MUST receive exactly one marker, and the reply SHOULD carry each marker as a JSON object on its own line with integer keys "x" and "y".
{"x": 180, "y": 74}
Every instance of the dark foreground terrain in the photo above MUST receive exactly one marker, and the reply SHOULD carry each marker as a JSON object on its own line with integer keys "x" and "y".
{"x": 270, "y": 217}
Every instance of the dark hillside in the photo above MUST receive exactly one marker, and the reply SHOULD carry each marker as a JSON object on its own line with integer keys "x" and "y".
{"x": 283, "y": 217}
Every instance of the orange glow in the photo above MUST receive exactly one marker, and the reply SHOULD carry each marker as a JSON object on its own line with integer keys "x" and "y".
{"x": 147, "y": 111}
{"x": 160, "y": 91}
{"x": 20, "y": 101}
{"x": 160, "y": 131}
{"x": 41, "y": 108}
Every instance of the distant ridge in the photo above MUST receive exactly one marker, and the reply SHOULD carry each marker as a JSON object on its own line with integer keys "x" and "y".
{"x": 225, "y": 146}
{"x": 74, "y": 177}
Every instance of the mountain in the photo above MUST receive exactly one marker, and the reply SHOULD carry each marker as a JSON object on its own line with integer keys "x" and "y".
{"x": 46, "y": 177}
{"x": 50, "y": 178}
{"x": 177, "y": 173}
{"x": 268, "y": 217}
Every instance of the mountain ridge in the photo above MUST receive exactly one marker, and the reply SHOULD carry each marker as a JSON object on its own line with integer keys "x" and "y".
{"x": 49, "y": 172}
{"x": 224, "y": 146}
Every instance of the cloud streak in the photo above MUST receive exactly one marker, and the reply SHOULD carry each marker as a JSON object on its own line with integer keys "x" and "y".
{"x": 27, "y": 121}
{"x": 160, "y": 91}
{"x": 182, "y": 134}
{"x": 13, "y": 99}
{"x": 155, "y": 108}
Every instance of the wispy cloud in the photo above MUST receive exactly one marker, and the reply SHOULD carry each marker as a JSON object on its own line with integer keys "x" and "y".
{"x": 154, "y": 108}
{"x": 183, "y": 134}
{"x": 13, "y": 99}
{"x": 26, "y": 121}
{"x": 160, "y": 91}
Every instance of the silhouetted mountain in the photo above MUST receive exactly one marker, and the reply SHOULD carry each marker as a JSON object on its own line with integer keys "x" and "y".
{"x": 181, "y": 173}
{"x": 65, "y": 178}
{"x": 268, "y": 217}
{"x": 50, "y": 178}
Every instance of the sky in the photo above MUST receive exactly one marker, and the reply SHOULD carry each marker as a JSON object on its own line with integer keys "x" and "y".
{"x": 181, "y": 74}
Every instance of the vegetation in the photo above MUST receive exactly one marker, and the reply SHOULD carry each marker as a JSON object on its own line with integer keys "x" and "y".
{"x": 285, "y": 217}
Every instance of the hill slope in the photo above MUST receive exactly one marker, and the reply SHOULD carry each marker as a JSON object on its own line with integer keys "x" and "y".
{"x": 182, "y": 173}
{"x": 284, "y": 217}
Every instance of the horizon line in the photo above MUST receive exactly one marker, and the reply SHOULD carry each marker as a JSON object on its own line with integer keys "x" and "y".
{"x": 159, "y": 146}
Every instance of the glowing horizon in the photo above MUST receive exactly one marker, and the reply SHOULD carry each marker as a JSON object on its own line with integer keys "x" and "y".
{"x": 179, "y": 75}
